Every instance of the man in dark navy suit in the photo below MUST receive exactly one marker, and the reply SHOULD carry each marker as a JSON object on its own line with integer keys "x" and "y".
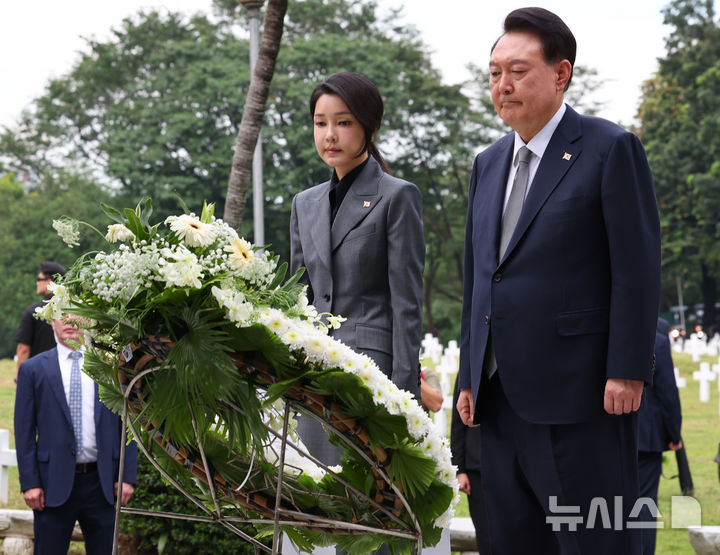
{"x": 68, "y": 449}
{"x": 660, "y": 419}
{"x": 561, "y": 288}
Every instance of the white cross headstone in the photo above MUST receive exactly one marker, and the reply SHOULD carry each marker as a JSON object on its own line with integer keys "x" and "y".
{"x": 704, "y": 376}
{"x": 7, "y": 459}
{"x": 452, "y": 349}
{"x": 680, "y": 382}
{"x": 446, "y": 369}
{"x": 431, "y": 348}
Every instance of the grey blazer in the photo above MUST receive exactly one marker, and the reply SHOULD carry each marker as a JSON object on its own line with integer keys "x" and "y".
{"x": 368, "y": 267}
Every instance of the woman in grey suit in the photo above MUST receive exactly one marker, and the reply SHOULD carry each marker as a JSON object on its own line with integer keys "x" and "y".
{"x": 360, "y": 237}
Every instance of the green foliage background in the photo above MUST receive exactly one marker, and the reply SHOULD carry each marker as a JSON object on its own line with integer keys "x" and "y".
{"x": 29, "y": 239}
{"x": 680, "y": 115}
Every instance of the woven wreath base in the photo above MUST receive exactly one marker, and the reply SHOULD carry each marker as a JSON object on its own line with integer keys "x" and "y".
{"x": 266, "y": 498}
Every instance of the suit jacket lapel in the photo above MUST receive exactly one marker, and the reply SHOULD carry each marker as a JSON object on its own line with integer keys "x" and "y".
{"x": 495, "y": 197}
{"x": 316, "y": 211}
{"x": 360, "y": 200}
{"x": 560, "y": 154}
{"x": 56, "y": 384}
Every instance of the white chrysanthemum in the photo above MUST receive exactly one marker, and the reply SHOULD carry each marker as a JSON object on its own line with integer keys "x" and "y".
{"x": 316, "y": 346}
{"x": 444, "y": 520}
{"x": 445, "y": 475}
{"x": 365, "y": 373}
{"x": 184, "y": 272}
{"x": 446, "y": 472}
{"x": 394, "y": 400}
{"x": 291, "y": 337}
{"x": 379, "y": 396}
{"x": 332, "y": 353}
{"x": 69, "y": 231}
{"x": 238, "y": 310}
{"x": 241, "y": 253}
{"x": 332, "y": 356}
{"x": 118, "y": 232}
{"x": 350, "y": 365}
{"x": 192, "y": 231}
{"x": 274, "y": 320}
{"x": 406, "y": 401}
{"x": 415, "y": 423}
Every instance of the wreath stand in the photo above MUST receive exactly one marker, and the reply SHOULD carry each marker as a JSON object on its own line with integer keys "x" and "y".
{"x": 387, "y": 504}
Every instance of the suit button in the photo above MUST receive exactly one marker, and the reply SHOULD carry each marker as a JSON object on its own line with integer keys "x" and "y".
{"x": 497, "y": 278}
{"x": 327, "y": 298}
{"x": 487, "y": 319}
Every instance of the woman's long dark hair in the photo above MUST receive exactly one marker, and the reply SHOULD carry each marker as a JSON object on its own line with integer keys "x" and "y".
{"x": 363, "y": 99}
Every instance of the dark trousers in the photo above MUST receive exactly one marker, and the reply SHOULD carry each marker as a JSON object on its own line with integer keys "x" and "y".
{"x": 87, "y": 505}
{"x": 478, "y": 512}
{"x": 536, "y": 474}
{"x": 649, "y": 472}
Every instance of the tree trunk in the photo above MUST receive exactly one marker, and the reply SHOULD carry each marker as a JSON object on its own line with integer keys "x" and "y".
{"x": 253, "y": 113}
{"x": 709, "y": 293}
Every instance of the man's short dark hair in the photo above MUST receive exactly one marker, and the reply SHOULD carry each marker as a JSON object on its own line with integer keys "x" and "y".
{"x": 558, "y": 42}
{"x": 51, "y": 269}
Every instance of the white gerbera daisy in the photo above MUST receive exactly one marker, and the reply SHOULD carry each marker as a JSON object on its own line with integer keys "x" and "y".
{"x": 118, "y": 232}
{"x": 190, "y": 229}
{"x": 241, "y": 253}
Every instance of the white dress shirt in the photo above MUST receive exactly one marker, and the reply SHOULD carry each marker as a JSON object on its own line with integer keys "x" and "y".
{"x": 89, "y": 449}
{"x": 537, "y": 145}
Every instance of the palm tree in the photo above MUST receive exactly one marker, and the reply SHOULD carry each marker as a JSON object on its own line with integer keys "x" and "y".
{"x": 253, "y": 113}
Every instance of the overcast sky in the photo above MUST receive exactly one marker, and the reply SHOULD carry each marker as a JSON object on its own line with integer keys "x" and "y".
{"x": 622, "y": 39}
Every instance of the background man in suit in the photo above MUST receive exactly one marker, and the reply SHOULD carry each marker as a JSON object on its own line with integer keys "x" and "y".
{"x": 660, "y": 420}
{"x": 68, "y": 449}
{"x": 35, "y": 336}
{"x": 562, "y": 280}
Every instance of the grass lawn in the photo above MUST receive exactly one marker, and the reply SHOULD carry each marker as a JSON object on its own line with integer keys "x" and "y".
{"x": 701, "y": 435}
{"x": 700, "y": 431}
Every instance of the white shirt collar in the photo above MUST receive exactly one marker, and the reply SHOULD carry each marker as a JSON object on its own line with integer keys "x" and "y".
{"x": 64, "y": 352}
{"x": 539, "y": 142}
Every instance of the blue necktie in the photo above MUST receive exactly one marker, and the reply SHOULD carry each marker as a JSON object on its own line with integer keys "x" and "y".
{"x": 76, "y": 400}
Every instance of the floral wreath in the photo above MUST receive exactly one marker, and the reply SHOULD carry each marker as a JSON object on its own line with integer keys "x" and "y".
{"x": 215, "y": 298}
